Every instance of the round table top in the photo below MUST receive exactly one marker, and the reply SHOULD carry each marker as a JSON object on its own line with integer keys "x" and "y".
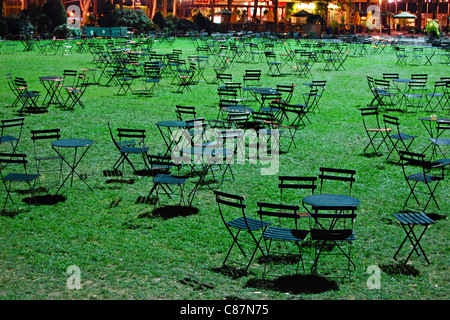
{"x": 51, "y": 78}
{"x": 172, "y": 123}
{"x": 207, "y": 151}
{"x": 331, "y": 200}
{"x": 433, "y": 119}
{"x": 72, "y": 143}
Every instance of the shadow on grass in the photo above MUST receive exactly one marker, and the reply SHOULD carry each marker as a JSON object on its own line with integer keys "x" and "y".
{"x": 295, "y": 284}
{"x": 230, "y": 271}
{"x": 400, "y": 268}
{"x": 45, "y": 200}
{"x": 168, "y": 212}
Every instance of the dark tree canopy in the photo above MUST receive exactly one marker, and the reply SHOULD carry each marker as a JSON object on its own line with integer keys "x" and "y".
{"x": 55, "y": 12}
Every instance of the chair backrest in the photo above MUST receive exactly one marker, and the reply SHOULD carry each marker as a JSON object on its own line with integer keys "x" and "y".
{"x": 370, "y": 82}
{"x": 183, "y": 111}
{"x": 251, "y": 77}
{"x": 413, "y": 160}
{"x": 441, "y": 127}
{"x": 125, "y": 133}
{"x": 288, "y": 90}
{"x": 390, "y": 76}
{"x": 370, "y": 117}
{"x": 297, "y": 183}
{"x": 12, "y": 158}
{"x": 81, "y": 82}
{"x": 391, "y": 120}
{"x": 161, "y": 163}
{"x": 338, "y": 218}
{"x": 382, "y": 85}
{"x": 70, "y": 77}
{"x": 279, "y": 211}
{"x": 116, "y": 143}
{"x": 11, "y": 130}
{"x": 231, "y": 206}
{"x": 346, "y": 176}
{"x": 227, "y": 95}
{"x": 420, "y": 76}
{"x": 38, "y": 136}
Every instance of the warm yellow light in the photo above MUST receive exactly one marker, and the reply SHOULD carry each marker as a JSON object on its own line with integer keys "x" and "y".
{"x": 332, "y": 6}
{"x": 303, "y": 6}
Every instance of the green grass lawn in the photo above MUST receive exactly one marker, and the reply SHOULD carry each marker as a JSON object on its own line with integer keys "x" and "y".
{"x": 124, "y": 250}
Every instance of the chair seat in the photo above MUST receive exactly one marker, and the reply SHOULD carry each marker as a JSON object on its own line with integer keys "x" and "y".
{"x": 423, "y": 178}
{"x": 380, "y": 130}
{"x": 48, "y": 158}
{"x": 7, "y": 138}
{"x": 285, "y": 234}
{"x": 248, "y": 223}
{"x": 20, "y": 177}
{"x": 402, "y": 136}
{"x": 168, "y": 179}
{"x": 134, "y": 150}
{"x": 338, "y": 234}
{"x": 444, "y": 142}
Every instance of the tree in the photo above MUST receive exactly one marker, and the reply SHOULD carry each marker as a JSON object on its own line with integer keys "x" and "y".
{"x": 85, "y": 4}
{"x": 419, "y": 15}
{"x": 55, "y": 12}
{"x": 255, "y": 7}
{"x": 135, "y": 19}
{"x": 109, "y": 16}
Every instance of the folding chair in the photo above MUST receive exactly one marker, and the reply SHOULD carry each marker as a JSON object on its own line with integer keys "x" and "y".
{"x": 414, "y": 94}
{"x": 164, "y": 182}
{"x": 384, "y": 93}
{"x": 372, "y": 127}
{"x": 442, "y": 127}
{"x": 76, "y": 92}
{"x": 251, "y": 78}
{"x": 340, "y": 60}
{"x": 416, "y": 57}
{"x": 397, "y": 137}
{"x": 409, "y": 221}
{"x": 11, "y": 132}
{"x": 9, "y": 177}
{"x": 436, "y": 99}
{"x": 286, "y": 231}
{"x": 333, "y": 235}
{"x": 317, "y": 90}
{"x": 401, "y": 55}
{"x": 429, "y": 57}
{"x": 409, "y": 162}
{"x": 267, "y": 127}
{"x": 296, "y": 183}
{"x": 185, "y": 112}
{"x": 242, "y": 228}
{"x": 188, "y": 78}
{"x": 304, "y": 62}
{"x": 27, "y": 97}
{"x": 346, "y": 176}
{"x": 286, "y": 91}
{"x": 152, "y": 78}
{"x": 273, "y": 64}
{"x": 134, "y": 146}
{"x": 14, "y": 89}
{"x": 124, "y": 79}
{"x": 41, "y": 147}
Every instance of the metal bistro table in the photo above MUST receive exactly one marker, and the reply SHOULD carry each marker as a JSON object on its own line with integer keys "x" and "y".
{"x": 205, "y": 157}
{"x": 167, "y": 128}
{"x": 430, "y": 122}
{"x": 52, "y": 85}
{"x": 334, "y": 202}
{"x": 74, "y": 144}
{"x": 328, "y": 201}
